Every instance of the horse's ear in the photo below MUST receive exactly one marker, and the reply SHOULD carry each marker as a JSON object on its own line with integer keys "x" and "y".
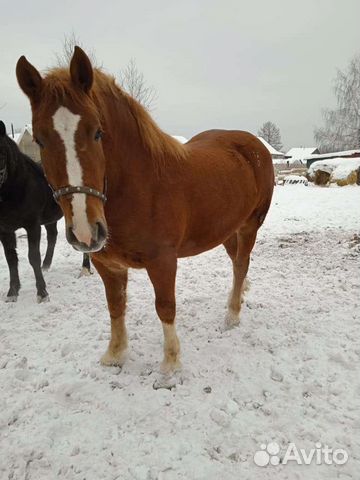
{"x": 29, "y": 79}
{"x": 2, "y": 129}
{"x": 81, "y": 70}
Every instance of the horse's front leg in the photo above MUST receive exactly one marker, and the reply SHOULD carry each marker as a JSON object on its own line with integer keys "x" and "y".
{"x": 52, "y": 232}
{"x": 34, "y": 234}
{"x": 162, "y": 274}
{"x": 9, "y": 243}
{"x": 115, "y": 282}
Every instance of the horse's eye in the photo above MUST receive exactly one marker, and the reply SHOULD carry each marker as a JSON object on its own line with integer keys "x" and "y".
{"x": 41, "y": 145}
{"x": 98, "y": 135}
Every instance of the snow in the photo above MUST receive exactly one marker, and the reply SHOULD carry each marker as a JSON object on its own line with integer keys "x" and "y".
{"x": 180, "y": 138}
{"x": 344, "y": 154}
{"x": 288, "y": 373}
{"x": 340, "y": 168}
{"x": 299, "y": 153}
{"x": 19, "y": 135}
{"x": 271, "y": 149}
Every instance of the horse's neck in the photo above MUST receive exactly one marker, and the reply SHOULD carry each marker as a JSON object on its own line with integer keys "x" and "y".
{"x": 126, "y": 155}
{"x": 16, "y": 175}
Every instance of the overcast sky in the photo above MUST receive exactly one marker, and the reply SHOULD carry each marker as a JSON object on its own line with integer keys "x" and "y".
{"x": 214, "y": 64}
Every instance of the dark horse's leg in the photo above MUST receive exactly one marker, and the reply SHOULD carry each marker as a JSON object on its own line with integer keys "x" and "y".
{"x": 115, "y": 282}
{"x": 162, "y": 274}
{"x": 9, "y": 243}
{"x": 52, "y": 232}
{"x": 86, "y": 269}
{"x": 34, "y": 234}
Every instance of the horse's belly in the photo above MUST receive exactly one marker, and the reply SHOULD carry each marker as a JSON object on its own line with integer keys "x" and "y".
{"x": 196, "y": 245}
{"x": 212, "y": 227}
{"x": 8, "y": 224}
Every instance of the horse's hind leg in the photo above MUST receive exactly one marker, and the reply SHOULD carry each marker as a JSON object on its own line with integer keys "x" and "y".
{"x": 9, "y": 243}
{"x": 34, "y": 235}
{"x": 51, "y": 230}
{"x": 238, "y": 247}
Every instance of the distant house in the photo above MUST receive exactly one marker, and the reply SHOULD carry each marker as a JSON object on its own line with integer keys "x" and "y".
{"x": 326, "y": 156}
{"x": 299, "y": 154}
{"x": 26, "y": 144}
{"x": 278, "y": 157}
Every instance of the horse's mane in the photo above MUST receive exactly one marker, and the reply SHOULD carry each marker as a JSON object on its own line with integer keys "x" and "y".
{"x": 161, "y": 146}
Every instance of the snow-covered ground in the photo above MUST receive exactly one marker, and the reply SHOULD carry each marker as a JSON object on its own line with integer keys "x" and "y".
{"x": 289, "y": 373}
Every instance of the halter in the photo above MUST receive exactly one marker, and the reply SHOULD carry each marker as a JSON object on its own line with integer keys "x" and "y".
{"x": 70, "y": 190}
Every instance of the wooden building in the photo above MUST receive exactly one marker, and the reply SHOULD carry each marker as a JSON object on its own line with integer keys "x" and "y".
{"x": 26, "y": 144}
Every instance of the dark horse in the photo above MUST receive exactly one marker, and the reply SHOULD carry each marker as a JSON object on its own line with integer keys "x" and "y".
{"x": 163, "y": 200}
{"x": 26, "y": 201}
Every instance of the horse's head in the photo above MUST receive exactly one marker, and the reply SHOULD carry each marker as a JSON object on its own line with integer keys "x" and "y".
{"x": 66, "y": 125}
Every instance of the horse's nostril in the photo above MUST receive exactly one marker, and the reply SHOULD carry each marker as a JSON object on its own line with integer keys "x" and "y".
{"x": 101, "y": 232}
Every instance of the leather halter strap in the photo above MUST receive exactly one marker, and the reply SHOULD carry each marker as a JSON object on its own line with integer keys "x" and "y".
{"x": 70, "y": 190}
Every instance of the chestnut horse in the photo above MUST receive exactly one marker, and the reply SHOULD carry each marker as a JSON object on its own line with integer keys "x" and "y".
{"x": 136, "y": 198}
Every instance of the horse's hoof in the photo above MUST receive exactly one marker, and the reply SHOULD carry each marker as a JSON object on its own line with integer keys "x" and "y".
{"x": 113, "y": 360}
{"x": 45, "y": 268}
{"x": 11, "y": 299}
{"x": 42, "y": 299}
{"x": 231, "y": 320}
{"x": 168, "y": 381}
{"x": 85, "y": 272}
{"x": 168, "y": 368}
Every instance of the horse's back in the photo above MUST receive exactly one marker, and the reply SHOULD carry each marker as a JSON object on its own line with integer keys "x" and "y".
{"x": 241, "y": 148}
{"x": 235, "y": 141}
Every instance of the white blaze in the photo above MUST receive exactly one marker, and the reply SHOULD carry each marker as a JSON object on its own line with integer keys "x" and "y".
{"x": 66, "y": 123}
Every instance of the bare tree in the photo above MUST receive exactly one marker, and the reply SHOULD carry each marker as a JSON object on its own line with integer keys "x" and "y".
{"x": 271, "y": 133}
{"x": 341, "y": 130}
{"x": 133, "y": 81}
{"x": 70, "y": 41}
{"x": 130, "y": 78}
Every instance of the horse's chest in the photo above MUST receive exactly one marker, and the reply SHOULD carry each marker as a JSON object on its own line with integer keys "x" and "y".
{"x": 9, "y": 221}
{"x": 118, "y": 258}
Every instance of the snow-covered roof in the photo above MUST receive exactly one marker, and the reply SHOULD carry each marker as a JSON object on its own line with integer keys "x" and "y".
{"x": 271, "y": 149}
{"x": 180, "y": 138}
{"x": 345, "y": 153}
{"x": 299, "y": 153}
{"x": 18, "y": 136}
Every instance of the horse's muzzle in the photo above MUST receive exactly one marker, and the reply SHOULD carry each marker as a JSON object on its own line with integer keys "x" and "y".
{"x": 93, "y": 243}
